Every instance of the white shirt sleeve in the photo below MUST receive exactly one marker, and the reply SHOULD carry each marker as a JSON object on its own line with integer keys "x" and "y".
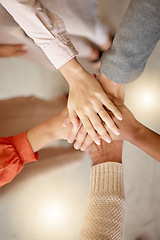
{"x": 44, "y": 27}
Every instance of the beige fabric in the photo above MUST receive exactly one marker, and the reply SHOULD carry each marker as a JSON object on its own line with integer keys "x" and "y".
{"x": 45, "y": 28}
{"x": 104, "y": 216}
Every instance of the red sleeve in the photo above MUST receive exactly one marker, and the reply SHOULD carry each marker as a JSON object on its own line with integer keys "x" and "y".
{"x": 15, "y": 151}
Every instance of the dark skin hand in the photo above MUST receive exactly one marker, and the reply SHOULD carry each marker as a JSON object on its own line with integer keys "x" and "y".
{"x": 105, "y": 152}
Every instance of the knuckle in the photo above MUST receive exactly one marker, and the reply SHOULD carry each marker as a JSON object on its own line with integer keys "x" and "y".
{"x": 106, "y": 99}
{"x": 116, "y": 111}
{"x": 112, "y": 126}
{"x": 79, "y": 109}
{"x": 80, "y": 135}
{"x": 97, "y": 126}
{"x": 94, "y": 136}
{"x": 90, "y": 130}
{"x": 88, "y": 108}
{"x": 110, "y": 106}
{"x": 103, "y": 132}
{"x": 97, "y": 93}
{"x": 105, "y": 115}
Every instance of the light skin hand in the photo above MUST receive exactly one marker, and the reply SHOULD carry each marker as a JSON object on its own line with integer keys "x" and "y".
{"x": 108, "y": 152}
{"x": 114, "y": 91}
{"x": 12, "y": 50}
{"x": 52, "y": 130}
{"x": 86, "y": 99}
{"x": 48, "y": 131}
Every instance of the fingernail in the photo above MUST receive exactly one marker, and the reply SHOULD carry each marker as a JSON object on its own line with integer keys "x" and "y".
{"x": 98, "y": 142}
{"x": 76, "y": 147}
{"x": 108, "y": 140}
{"x": 82, "y": 149}
{"x": 119, "y": 118}
{"x": 117, "y": 132}
{"x": 70, "y": 140}
{"x": 64, "y": 125}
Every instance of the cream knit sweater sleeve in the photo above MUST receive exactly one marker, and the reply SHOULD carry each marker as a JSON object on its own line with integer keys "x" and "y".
{"x": 104, "y": 216}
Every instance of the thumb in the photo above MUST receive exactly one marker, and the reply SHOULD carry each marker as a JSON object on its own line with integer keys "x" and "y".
{"x": 67, "y": 122}
{"x": 74, "y": 118}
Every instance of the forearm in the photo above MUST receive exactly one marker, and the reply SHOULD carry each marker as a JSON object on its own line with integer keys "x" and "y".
{"x": 44, "y": 27}
{"x": 104, "y": 216}
{"x": 111, "y": 88}
{"x": 72, "y": 72}
{"x": 48, "y": 131}
{"x": 42, "y": 134}
{"x": 147, "y": 140}
{"x": 134, "y": 42}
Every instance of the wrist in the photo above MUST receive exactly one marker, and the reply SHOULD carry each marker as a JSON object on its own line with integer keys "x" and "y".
{"x": 136, "y": 131}
{"x": 71, "y": 70}
{"x": 114, "y": 89}
{"x": 106, "y": 152}
{"x": 52, "y": 127}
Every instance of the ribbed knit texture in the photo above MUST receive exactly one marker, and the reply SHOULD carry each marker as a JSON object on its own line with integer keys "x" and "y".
{"x": 104, "y": 216}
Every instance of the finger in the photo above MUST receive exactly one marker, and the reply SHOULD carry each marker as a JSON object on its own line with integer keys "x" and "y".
{"x": 80, "y": 138}
{"x": 98, "y": 126}
{"x": 110, "y": 106}
{"x": 90, "y": 129}
{"x": 67, "y": 122}
{"x": 109, "y": 121}
{"x": 74, "y": 118}
{"x": 72, "y": 135}
{"x": 76, "y": 125}
{"x": 18, "y": 47}
{"x": 87, "y": 142}
{"x": 16, "y": 54}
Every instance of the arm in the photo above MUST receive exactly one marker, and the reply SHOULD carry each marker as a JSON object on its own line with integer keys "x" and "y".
{"x": 136, "y": 133}
{"x": 48, "y": 131}
{"x": 147, "y": 140}
{"x": 86, "y": 97}
{"x": 45, "y": 28}
{"x": 10, "y": 50}
{"x": 105, "y": 210}
{"x": 134, "y": 42}
{"x": 17, "y": 150}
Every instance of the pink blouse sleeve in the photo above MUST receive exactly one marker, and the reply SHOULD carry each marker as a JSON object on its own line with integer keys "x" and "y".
{"x": 15, "y": 151}
{"x": 44, "y": 27}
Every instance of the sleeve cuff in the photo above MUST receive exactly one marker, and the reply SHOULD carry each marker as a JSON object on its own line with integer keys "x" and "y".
{"x": 107, "y": 177}
{"x": 23, "y": 148}
{"x": 60, "y": 50}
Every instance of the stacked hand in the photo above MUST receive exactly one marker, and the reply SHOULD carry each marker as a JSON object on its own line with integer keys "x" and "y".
{"x": 87, "y": 104}
{"x": 127, "y": 127}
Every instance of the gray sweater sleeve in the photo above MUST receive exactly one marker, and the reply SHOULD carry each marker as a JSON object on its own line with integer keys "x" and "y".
{"x": 134, "y": 42}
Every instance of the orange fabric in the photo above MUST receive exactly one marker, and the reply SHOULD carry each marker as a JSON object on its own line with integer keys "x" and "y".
{"x": 15, "y": 151}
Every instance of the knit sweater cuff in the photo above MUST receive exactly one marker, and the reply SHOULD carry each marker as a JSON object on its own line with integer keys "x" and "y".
{"x": 107, "y": 177}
